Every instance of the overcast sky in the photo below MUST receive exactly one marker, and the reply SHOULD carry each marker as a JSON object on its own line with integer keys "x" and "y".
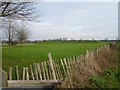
{"x": 75, "y": 20}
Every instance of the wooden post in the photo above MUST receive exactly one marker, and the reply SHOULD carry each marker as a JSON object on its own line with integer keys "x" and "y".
{"x": 46, "y": 69}
{"x": 92, "y": 55}
{"x": 56, "y": 69}
{"x": 63, "y": 67}
{"x": 33, "y": 78}
{"x": 10, "y": 74}
{"x": 17, "y": 73}
{"x": 77, "y": 58}
{"x": 69, "y": 67}
{"x": 23, "y": 73}
{"x": 97, "y": 52}
{"x": 87, "y": 55}
{"x": 74, "y": 58}
{"x": 71, "y": 64}
{"x": 43, "y": 70}
{"x": 27, "y": 74}
{"x": 39, "y": 71}
{"x": 70, "y": 72}
{"x": 49, "y": 70}
{"x": 66, "y": 66}
{"x": 82, "y": 57}
{"x": 51, "y": 66}
{"x": 36, "y": 73}
{"x": 3, "y": 78}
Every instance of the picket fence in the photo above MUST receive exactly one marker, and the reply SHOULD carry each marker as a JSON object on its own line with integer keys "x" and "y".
{"x": 48, "y": 72}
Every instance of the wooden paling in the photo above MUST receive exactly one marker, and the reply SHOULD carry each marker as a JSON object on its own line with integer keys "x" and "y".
{"x": 17, "y": 73}
{"x": 49, "y": 70}
{"x": 36, "y": 71}
{"x": 63, "y": 67}
{"x": 51, "y": 66}
{"x": 46, "y": 70}
{"x": 39, "y": 71}
{"x": 27, "y": 74}
{"x": 58, "y": 69}
{"x": 23, "y": 73}
{"x": 10, "y": 74}
{"x": 43, "y": 70}
{"x": 66, "y": 66}
{"x": 32, "y": 74}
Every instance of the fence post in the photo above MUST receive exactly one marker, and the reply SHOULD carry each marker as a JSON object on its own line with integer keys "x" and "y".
{"x": 36, "y": 71}
{"x": 23, "y": 73}
{"x": 10, "y": 74}
{"x": 49, "y": 70}
{"x": 43, "y": 70}
{"x": 66, "y": 66}
{"x": 46, "y": 69}
{"x": 58, "y": 69}
{"x": 3, "y": 78}
{"x": 27, "y": 74}
{"x": 63, "y": 68}
{"x": 51, "y": 66}
{"x": 17, "y": 73}
{"x": 39, "y": 71}
{"x": 33, "y": 78}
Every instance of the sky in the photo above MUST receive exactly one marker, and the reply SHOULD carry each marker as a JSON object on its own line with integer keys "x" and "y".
{"x": 76, "y": 20}
{"x": 79, "y": 0}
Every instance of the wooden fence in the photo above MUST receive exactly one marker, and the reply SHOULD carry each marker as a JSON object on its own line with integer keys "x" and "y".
{"x": 3, "y": 78}
{"x": 51, "y": 71}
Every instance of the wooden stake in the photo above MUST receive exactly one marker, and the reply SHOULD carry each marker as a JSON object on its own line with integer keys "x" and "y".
{"x": 23, "y": 73}
{"x": 33, "y": 78}
{"x": 66, "y": 66}
{"x": 55, "y": 67}
{"x": 39, "y": 71}
{"x": 10, "y": 73}
{"x": 36, "y": 73}
{"x": 17, "y": 73}
{"x": 58, "y": 69}
{"x": 63, "y": 67}
{"x": 43, "y": 70}
{"x": 27, "y": 74}
{"x": 70, "y": 72}
{"x": 49, "y": 70}
{"x": 51, "y": 66}
{"x": 46, "y": 69}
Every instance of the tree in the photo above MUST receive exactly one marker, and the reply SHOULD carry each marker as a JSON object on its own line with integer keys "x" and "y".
{"x": 10, "y": 28}
{"x": 22, "y": 34}
{"x": 17, "y": 10}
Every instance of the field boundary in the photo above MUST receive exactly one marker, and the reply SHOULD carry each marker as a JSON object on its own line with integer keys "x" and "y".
{"x": 57, "y": 70}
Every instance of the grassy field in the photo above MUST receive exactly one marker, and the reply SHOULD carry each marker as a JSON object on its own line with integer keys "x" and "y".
{"x": 28, "y": 54}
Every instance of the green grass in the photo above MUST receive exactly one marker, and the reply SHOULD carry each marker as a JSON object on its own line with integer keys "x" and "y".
{"x": 29, "y": 54}
{"x": 108, "y": 80}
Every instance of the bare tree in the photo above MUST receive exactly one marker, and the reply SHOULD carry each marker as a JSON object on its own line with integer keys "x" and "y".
{"x": 17, "y": 10}
{"x": 23, "y": 34}
{"x": 10, "y": 28}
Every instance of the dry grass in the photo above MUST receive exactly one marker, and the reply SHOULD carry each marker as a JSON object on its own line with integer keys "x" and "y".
{"x": 92, "y": 64}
